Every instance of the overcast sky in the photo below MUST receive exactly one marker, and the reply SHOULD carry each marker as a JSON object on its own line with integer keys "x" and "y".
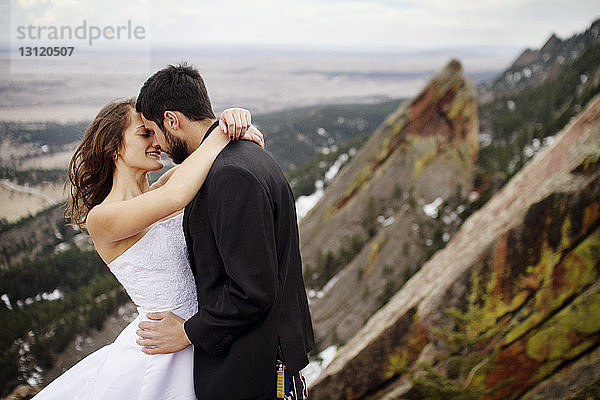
{"x": 390, "y": 25}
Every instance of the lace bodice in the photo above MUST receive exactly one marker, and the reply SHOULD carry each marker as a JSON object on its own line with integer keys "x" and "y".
{"x": 155, "y": 271}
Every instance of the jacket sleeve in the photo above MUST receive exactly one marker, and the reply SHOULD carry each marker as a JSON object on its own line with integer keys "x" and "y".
{"x": 241, "y": 217}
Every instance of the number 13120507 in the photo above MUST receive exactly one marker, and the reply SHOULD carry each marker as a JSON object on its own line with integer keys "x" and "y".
{"x": 55, "y": 51}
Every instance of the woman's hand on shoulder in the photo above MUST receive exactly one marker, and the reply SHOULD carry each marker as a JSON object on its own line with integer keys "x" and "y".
{"x": 237, "y": 124}
{"x": 254, "y": 135}
{"x": 234, "y": 122}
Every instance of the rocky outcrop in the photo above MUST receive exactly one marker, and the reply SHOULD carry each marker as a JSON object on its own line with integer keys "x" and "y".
{"x": 370, "y": 232}
{"x": 510, "y": 308}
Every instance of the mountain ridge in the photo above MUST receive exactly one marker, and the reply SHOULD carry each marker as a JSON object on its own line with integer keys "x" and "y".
{"x": 534, "y": 66}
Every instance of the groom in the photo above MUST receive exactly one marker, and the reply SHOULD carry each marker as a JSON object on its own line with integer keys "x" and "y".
{"x": 242, "y": 240}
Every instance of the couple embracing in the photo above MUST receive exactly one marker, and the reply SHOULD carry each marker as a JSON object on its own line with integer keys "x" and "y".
{"x": 223, "y": 312}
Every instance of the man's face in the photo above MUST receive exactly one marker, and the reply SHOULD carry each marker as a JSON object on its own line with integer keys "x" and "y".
{"x": 174, "y": 146}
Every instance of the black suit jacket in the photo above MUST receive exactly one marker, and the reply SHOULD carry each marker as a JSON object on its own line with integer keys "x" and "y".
{"x": 242, "y": 239}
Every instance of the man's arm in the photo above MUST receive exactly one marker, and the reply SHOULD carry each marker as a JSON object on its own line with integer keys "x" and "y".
{"x": 241, "y": 216}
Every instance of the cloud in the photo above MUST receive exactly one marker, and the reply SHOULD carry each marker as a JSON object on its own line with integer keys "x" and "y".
{"x": 29, "y": 4}
{"x": 385, "y": 24}
{"x": 391, "y": 24}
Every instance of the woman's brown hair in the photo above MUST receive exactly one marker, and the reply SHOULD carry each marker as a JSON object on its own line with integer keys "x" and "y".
{"x": 91, "y": 168}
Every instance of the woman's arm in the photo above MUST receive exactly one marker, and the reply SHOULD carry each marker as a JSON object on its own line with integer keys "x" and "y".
{"x": 235, "y": 120}
{"x": 116, "y": 220}
{"x": 252, "y": 134}
{"x": 164, "y": 178}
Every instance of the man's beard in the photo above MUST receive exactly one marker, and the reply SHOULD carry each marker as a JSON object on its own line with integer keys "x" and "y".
{"x": 177, "y": 150}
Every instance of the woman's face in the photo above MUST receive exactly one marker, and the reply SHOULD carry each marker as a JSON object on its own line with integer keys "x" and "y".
{"x": 140, "y": 149}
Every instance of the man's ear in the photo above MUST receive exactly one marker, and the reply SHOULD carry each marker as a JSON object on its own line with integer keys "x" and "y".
{"x": 171, "y": 120}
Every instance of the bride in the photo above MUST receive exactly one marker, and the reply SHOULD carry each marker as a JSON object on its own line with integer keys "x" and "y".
{"x": 137, "y": 230}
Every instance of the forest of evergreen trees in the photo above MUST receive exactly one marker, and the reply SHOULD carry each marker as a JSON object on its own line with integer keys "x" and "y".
{"x": 34, "y": 329}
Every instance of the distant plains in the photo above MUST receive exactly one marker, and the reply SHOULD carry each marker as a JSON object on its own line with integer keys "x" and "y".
{"x": 262, "y": 80}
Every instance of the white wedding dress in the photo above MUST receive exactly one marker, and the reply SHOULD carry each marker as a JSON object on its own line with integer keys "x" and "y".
{"x": 156, "y": 274}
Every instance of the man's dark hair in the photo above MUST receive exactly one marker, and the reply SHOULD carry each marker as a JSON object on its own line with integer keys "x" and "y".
{"x": 174, "y": 88}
